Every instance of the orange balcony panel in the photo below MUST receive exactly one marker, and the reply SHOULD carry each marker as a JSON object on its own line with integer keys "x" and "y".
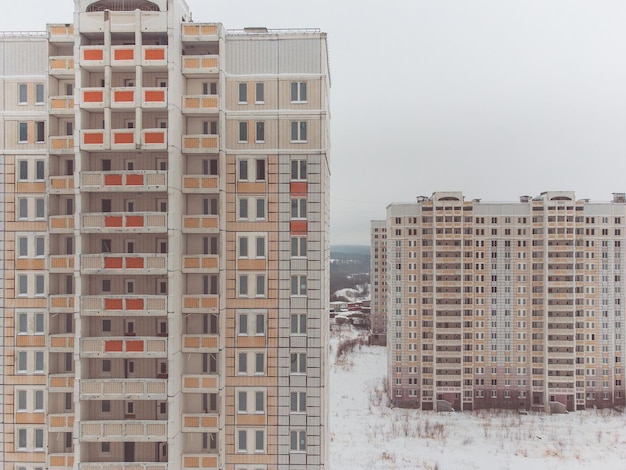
{"x": 134, "y": 346}
{"x": 154, "y": 54}
{"x": 113, "y": 180}
{"x": 93, "y": 96}
{"x": 124, "y": 54}
{"x": 93, "y": 54}
{"x": 192, "y": 342}
{"x": 155, "y": 96}
{"x": 155, "y": 137}
{"x": 298, "y": 227}
{"x": 123, "y": 96}
{"x": 134, "y": 304}
{"x": 299, "y": 188}
{"x": 113, "y": 263}
{"x": 113, "y": 221}
{"x": 113, "y": 304}
{"x": 96, "y": 138}
{"x": 113, "y": 346}
{"x": 134, "y": 221}
{"x": 134, "y": 180}
{"x": 125, "y": 138}
{"x": 134, "y": 263}
{"x": 191, "y": 382}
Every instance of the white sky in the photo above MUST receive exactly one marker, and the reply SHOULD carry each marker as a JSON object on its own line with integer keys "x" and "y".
{"x": 495, "y": 98}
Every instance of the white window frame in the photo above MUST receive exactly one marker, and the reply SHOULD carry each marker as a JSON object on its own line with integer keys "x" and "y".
{"x": 298, "y": 92}
{"x": 299, "y": 132}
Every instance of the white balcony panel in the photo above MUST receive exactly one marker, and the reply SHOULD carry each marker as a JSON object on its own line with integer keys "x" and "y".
{"x": 123, "y": 431}
{"x": 123, "y": 389}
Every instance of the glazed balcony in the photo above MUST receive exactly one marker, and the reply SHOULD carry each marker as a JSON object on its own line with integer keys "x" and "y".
{"x": 62, "y": 264}
{"x": 200, "y": 383}
{"x": 124, "y": 305}
{"x": 60, "y": 383}
{"x": 60, "y": 461}
{"x": 200, "y": 343}
{"x": 123, "y": 466}
{"x": 200, "y": 184}
{"x": 61, "y": 145}
{"x": 61, "y": 185}
{"x": 200, "y": 32}
{"x": 200, "y": 104}
{"x": 63, "y": 303}
{"x": 123, "y": 347}
{"x": 131, "y": 264}
{"x": 199, "y": 422}
{"x": 123, "y": 431}
{"x": 60, "y": 422}
{"x": 61, "y": 66}
{"x": 200, "y": 143}
{"x": 62, "y": 343}
{"x": 61, "y": 224}
{"x": 124, "y": 222}
{"x": 123, "y": 389}
{"x": 61, "y": 33}
{"x": 61, "y": 105}
{"x": 200, "y": 263}
{"x": 199, "y": 65}
{"x": 200, "y": 462}
{"x": 200, "y": 303}
{"x": 200, "y": 223}
{"x": 128, "y": 181}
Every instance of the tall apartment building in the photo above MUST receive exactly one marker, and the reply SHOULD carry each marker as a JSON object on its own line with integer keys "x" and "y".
{"x": 378, "y": 281}
{"x": 165, "y": 229}
{"x": 506, "y": 305}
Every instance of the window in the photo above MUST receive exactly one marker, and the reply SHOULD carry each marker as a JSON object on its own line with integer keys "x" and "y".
{"x": 22, "y": 208}
{"x": 21, "y": 362}
{"x": 40, "y": 246}
{"x": 248, "y": 167}
{"x": 40, "y": 170}
{"x": 252, "y": 323}
{"x": 298, "y": 363}
{"x": 209, "y": 363}
{"x": 259, "y": 440}
{"x": 21, "y": 439}
{"x": 260, "y": 169}
{"x": 298, "y": 285}
{"x": 209, "y": 440}
{"x": 209, "y": 127}
{"x": 298, "y": 170}
{"x": 298, "y": 208}
{"x": 22, "y": 324}
{"x": 23, "y": 170}
{"x": 260, "y": 285}
{"x": 242, "y": 441}
{"x": 40, "y": 211}
{"x": 258, "y": 206}
{"x": 38, "y": 400}
{"x": 243, "y": 131}
{"x": 243, "y": 285}
{"x": 298, "y": 323}
{"x": 39, "y": 93}
{"x": 259, "y": 93}
{"x": 298, "y": 246}
{"x": 39, "y": 324}
{"x": 39, "y": 284}
{"x": 22, "y": 247}
{"x": 22, "y": 281}
{"x": 209, "y": 167}
{"x": 21, "y": 400}
{"x": 298, "y": 92}
{"x": 106, "y": 365}
{"x": 259, "y": 135}
{"x": 105, "y": 447}
{"x": 298, "y": 131}
{"x": 41, "y": 131}
{"x": 297, "y": 442}
{"x": 23, "y": 93}
{"x": 243, "y": 93}
{"x": 39, "y": 361}
{"x": 298, "y": 402}
{"x": 23, "y": 132}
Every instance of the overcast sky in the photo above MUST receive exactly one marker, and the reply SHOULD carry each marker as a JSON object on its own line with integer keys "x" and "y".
{"x": 495, "y": 98}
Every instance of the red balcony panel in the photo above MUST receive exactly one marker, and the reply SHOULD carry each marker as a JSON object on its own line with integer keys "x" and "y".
{"x": 113, "y": 346}
{"x": 154, "y": 54}
{"x": 113, "y": 180}
{"x": 113, "y": 304}
{"x": 298, "y": 188}
{"x": 134, "y": 221}
{"x": 113, "y": 263}
{"x": 134, "y": 263}
{"x": 113, "y": 221}
{"x": 94, "y": 138}
{"x": 134, "y": 304}
{"x": 93, "y": 54}
{"x": 134, "y": 180}
{"x": 125, "y": 138}
{"x": 155, "y": 96}
{"x": 134, "y": 346}
{"x": 93, "y": 96}
{"x": 124, "y": 54}
{"x": 126, "y": 96}
{"x": 298, "y": 227}
{"x": 155, "y": 137}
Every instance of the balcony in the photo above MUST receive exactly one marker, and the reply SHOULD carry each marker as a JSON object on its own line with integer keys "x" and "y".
{"x": 61, "y": 224}
{"x": 131, "y": 264}
{"x": 124, "y": 139}
{"x": 94, "y": 98}
{"x": 154, "y": 57}
{"x": 200, "y": 462}
{"x": 92, "y": 57}
{"x": 200, "y": 303}
{"x": 200, "y": 264}
{"x": 61, "y": 105}
{"x": 61, "y": 383}
{"x": 60, "y": 461}
{"x": 123, "y": 98}
{"x": 124, "y": 57}
{"x": 200, "y": 343}
{"x": 61, "y": 303}
{"x": 201, "y": 143}
{"x": 62, "y": 343}
{"x": 200, "y": 32}
{"x": 199, "y": 422}
{"x": 154, "y": 139}
{"x": 124, "y": 305}
{"x": 200, "y": 104}
{"x": 154, "y": 98}
{"x": 200, "y": 184}
{"x": 61, "y": 185}
{"x": 200, "y": 383}
{"x": 61, "y": 66}
{"x": 199, "y": 65}
{"x": 94, "y": 139}
{"x": 120, "y": 389}
{"x": 139, "y": 181}
{"x": 123, "y": 431}
{"x": 123, "y": 466}
{"x": 60, "y": 422}
{"x": 61, "y": 145}
{"x": 124, "y": 222}
{"x": 123, "y": 347}
{"x": 62, "y": 264}
{"x": 61, "y": 33}
{"x": 200, "y": 223}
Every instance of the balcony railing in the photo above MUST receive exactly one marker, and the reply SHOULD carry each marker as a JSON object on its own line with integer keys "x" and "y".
{"x": 62, "y": 105}
{"x": 154, "y": 222}
{"x": 61, "y": 145}
{"x": 92, "y": 57}
{"x": 200, "y": 223}
{"x": 204, "y": 104}
{"x": 61, "y": 33}
{"x": 61, "y": 184}
{"x": 125, "y": 346}
{"x": 120, "y": 389}
{"x": 196, "y": 32}
{"x": 123, "y": 466}
{"x": 60, "y": 461}
{"x": 123, "y": 431}
{"x": 154, "y": 98}
{"x": 62, "y": 263}
{"x": 197, "y": 65}
{"x": 137, "y": 263}
{"x": 199, "y": 422}
{"x": 201, "y": 143}
{"x": 123, "y": 98}
{"x": 200, "y": 383}
{"x": 154, "y": 56}
{"x": 200, "y": 184}
{"x": 200, "y": 462}
{"x": 200, "y": 343}
{"x": 61, "y": 382}
{"x": 93, "y": 98}
{"x": 123, "y": 139}
{"x": 61, "y": 66}
{"x": 130, "y": 305}
{"x": 200, "y": 303}
{"x": 60, "y": 422}
{"x": 200, "y": 263}
{"x": 61, "y": 303}
{"x": 61, "y": 343}
{"x": 148, "y": 180}
{"x": 61, "y": 224}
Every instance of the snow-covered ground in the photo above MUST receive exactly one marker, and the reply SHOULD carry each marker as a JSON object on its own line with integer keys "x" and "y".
{"x": 367, "y": 434}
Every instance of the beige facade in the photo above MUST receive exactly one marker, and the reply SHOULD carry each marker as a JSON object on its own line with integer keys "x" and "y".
{"x": 506, "y": 305}
{"x": 166, "y": 245}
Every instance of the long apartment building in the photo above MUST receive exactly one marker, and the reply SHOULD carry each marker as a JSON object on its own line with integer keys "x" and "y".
{"x": 165, "y": 230}
{"x": 506, "y": 305}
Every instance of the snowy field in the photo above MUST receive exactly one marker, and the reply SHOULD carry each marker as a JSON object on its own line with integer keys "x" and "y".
{"x": 366, "y": 434}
